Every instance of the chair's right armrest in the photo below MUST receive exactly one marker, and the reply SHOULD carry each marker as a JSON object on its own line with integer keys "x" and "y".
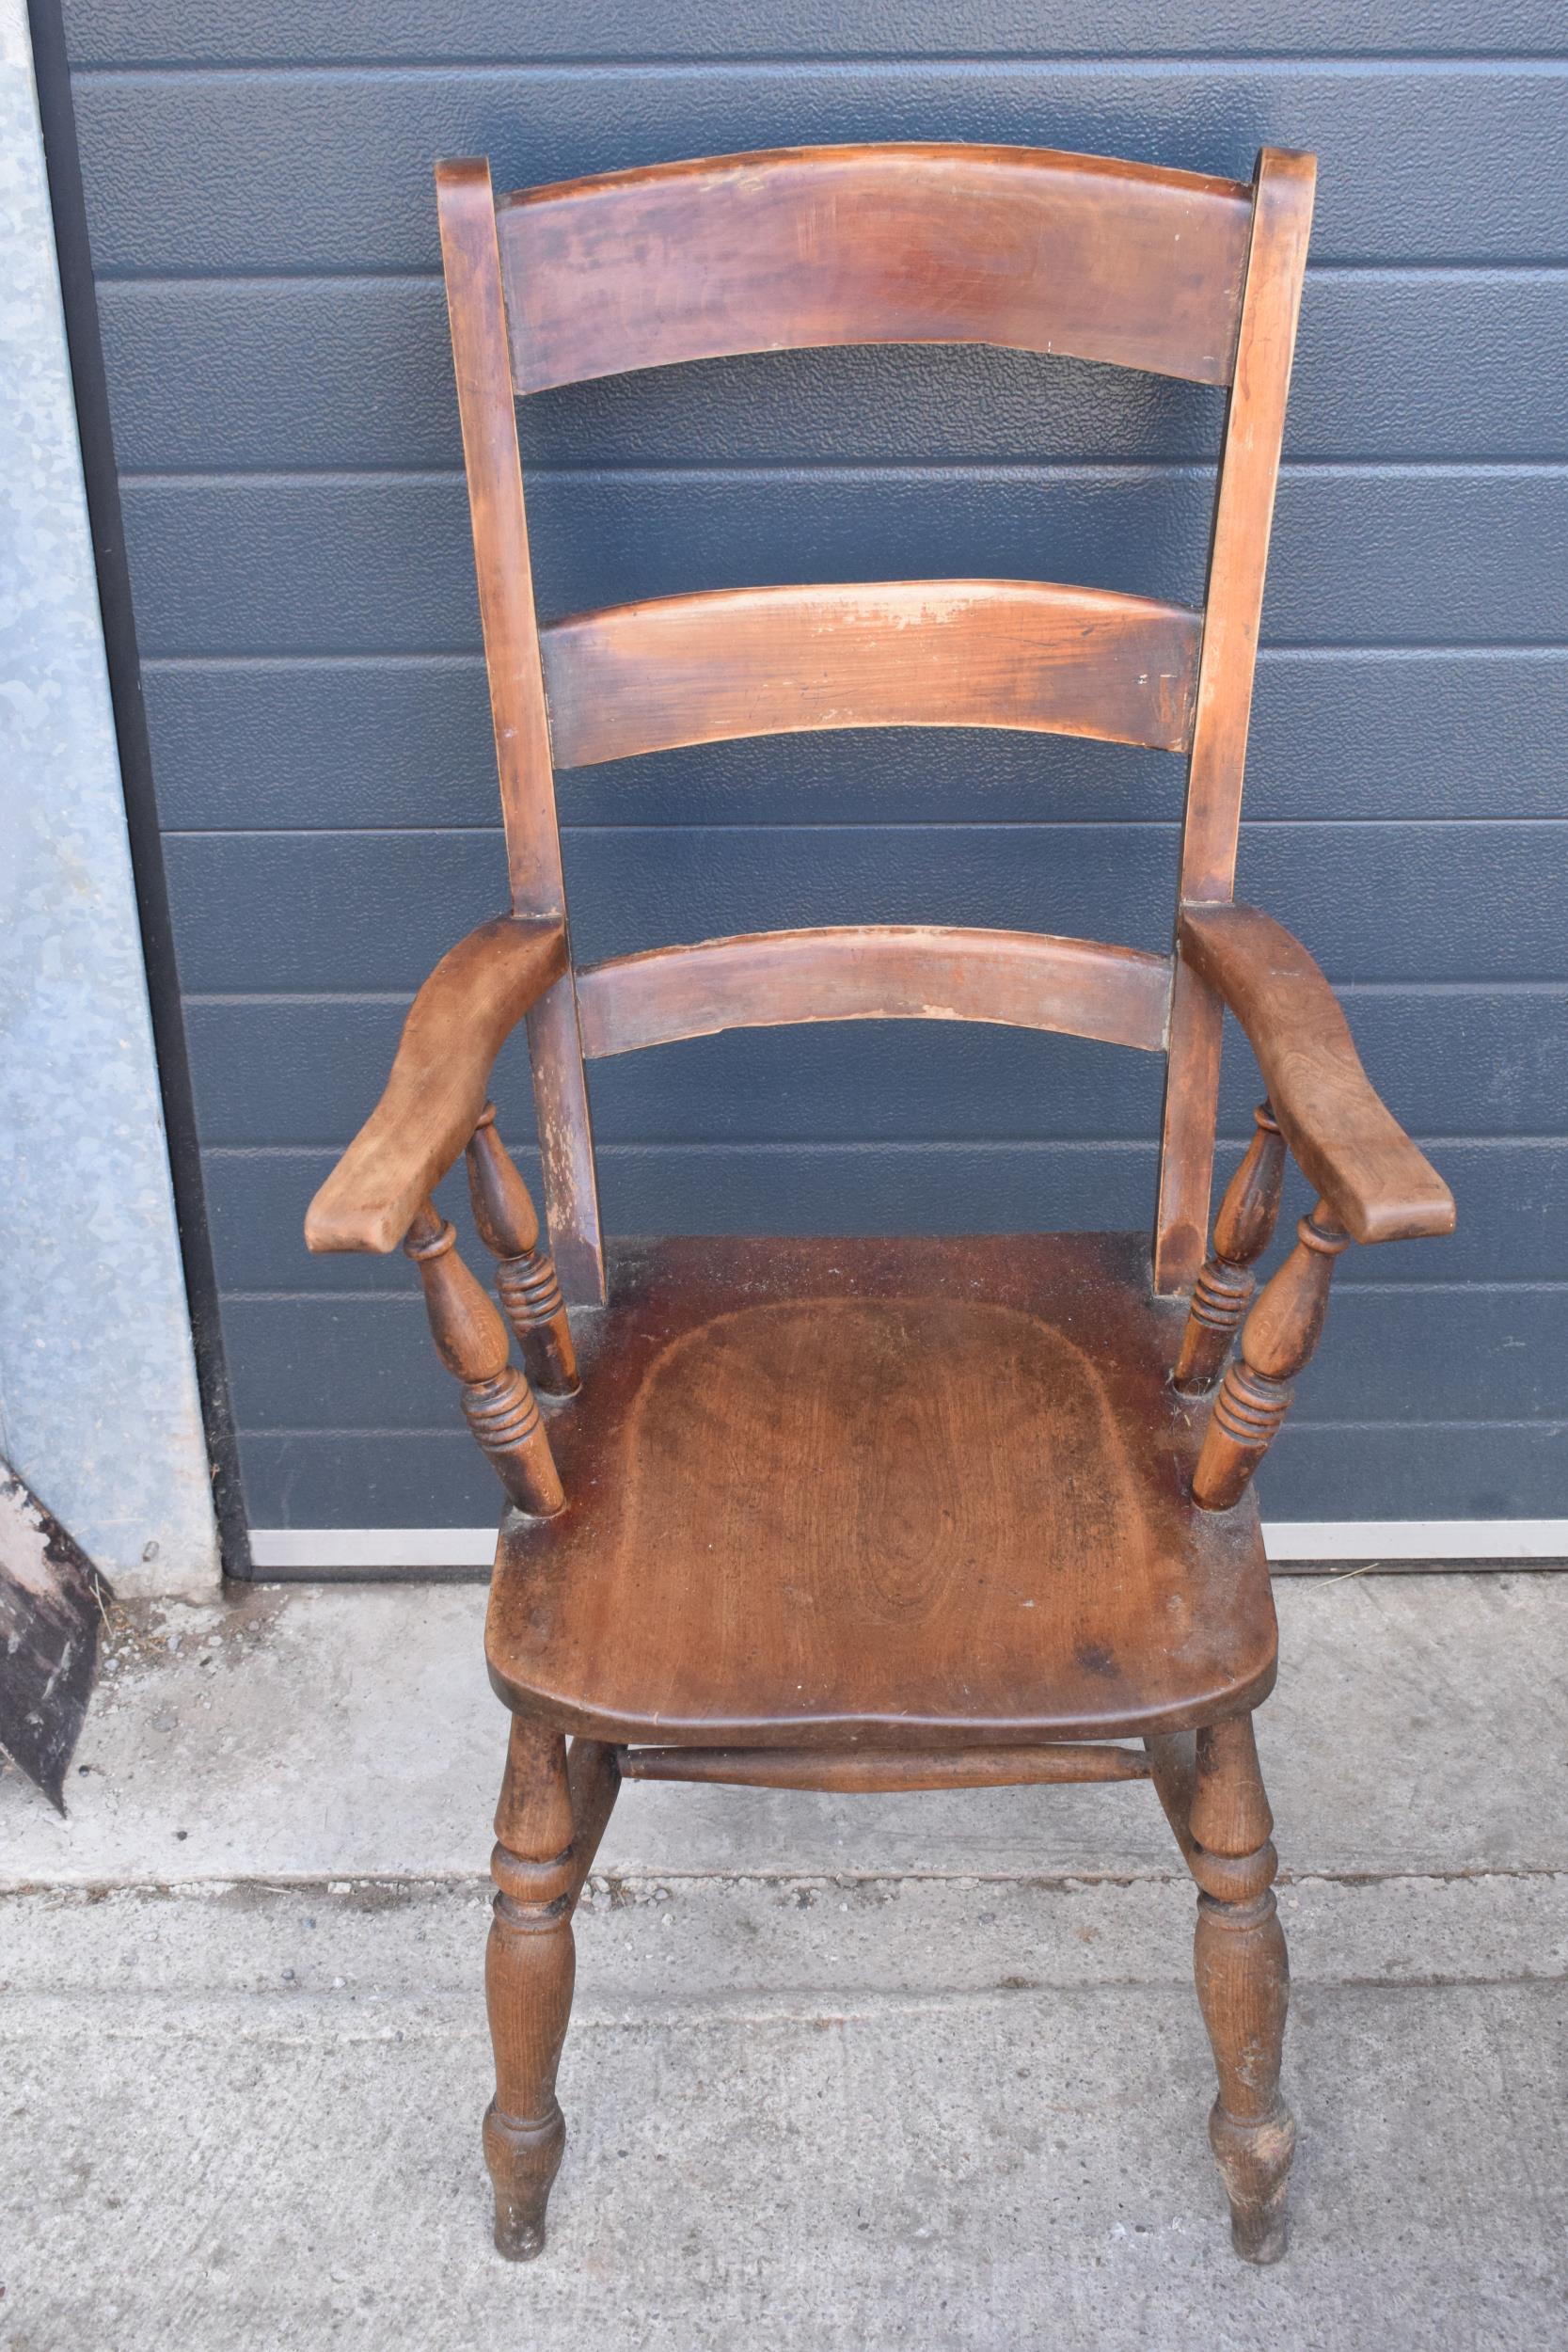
{"x": 440, "y": 1078}
{"x": 1346, "y": 1143}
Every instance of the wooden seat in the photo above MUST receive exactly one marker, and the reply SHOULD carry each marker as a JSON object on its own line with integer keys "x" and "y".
{"x": 911, "y": 1492}
{"x": 908, "y": 1513}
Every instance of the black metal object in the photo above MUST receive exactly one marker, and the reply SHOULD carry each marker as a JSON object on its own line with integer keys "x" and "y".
{"x": 79, "y": 298}
{"x": 53, "y": 1603}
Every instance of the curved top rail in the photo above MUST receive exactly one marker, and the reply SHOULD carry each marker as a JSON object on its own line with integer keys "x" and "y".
{"x": 1025, "y": 247}
{"x": 882, "y": 972}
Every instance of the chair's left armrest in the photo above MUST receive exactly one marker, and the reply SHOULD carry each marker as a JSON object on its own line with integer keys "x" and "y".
{"x": 1374, "y": 1180}
{"x": 457, "y": 1024}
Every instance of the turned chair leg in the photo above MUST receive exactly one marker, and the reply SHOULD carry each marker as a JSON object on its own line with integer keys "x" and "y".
{"x": 529, "y": 1964}
{"x": 1243, "y": 1983}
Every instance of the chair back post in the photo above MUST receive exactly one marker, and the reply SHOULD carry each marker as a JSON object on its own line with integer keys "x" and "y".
{"x": 1243, "y": 512}
{"x": 476, "y": 304}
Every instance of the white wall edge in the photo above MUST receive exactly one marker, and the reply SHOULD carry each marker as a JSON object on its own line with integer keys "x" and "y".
{"x": 299, "y": 1551}
{"x": 100, "y": 1409}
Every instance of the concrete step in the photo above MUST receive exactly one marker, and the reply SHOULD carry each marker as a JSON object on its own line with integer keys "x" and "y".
{"x": 251, "y": 2172}
{"x": 844, "y": 2074}
{"x": 314, "y": 1732}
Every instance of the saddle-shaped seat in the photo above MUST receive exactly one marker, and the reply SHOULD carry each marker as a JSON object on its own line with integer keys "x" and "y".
{"x": 881, "y": 1492}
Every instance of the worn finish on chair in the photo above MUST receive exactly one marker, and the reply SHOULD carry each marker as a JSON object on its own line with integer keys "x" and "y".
{"x": 1071, "y": 254}
{"x": 878, "y": 1514}
{"x": 1021, "y": 979}
{"x": 471, "y": 1340}
{"x": 1277, "y": 1342}
{"x": 904, "y": 653}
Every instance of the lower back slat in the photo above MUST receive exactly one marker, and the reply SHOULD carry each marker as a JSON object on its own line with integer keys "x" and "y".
{"x": 1020, "y": 978}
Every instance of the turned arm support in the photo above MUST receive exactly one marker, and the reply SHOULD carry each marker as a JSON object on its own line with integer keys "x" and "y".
{"x": 471, "y": 1341}
{"x": 456, "y": 1026}
{"x": 1277, "y": 1342}
{"x": 1242, "y": 1231}
{"x": 525, "y": 1274}
{"x": 1374, "y": 1181}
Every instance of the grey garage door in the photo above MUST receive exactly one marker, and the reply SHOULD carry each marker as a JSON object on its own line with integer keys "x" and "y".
{"x": 259, "y": 188}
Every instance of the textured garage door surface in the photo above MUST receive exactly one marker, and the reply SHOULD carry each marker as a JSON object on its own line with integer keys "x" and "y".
{"x": 259, "y": 187}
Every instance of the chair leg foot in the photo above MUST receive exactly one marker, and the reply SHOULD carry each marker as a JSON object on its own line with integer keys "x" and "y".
{"x": 529, "y": 1964}
{"x": 1255, "y": 2165}
{"x": 523, "y": 2160}
{"x": 1242, "y": 1977}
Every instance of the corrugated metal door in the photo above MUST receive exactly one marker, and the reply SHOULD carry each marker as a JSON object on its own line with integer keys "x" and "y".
{"x": 259, "y": 184}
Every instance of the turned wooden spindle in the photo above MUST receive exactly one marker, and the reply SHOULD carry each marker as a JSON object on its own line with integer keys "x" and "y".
{"x": 1243, "y": 1980}
{"x": 509, "y": 1227}
{"x": 472, "y": 1341}
{"x": 1242, "y": 1231}
{"x": 1277, "y": 1341}
{"x": 529, "y": 1966}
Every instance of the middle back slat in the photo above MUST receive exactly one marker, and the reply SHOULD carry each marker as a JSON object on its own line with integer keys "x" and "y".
{"x": 997, "y": 653}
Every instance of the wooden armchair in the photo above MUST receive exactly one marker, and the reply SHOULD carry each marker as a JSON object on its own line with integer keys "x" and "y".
{"x": 871, "y": 1513}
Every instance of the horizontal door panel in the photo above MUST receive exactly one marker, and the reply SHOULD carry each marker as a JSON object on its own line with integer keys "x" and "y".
{"x": 302, "y": 912}
{"x": 1512, "y": 1202}
{"x": 1467, "y": 1062}
{"x": 331, "y": 171}
{"x": 1516, "y": 1471}
{"x": 439, "y": 1480}
{"x": 290, "y": 32}
{"x": 373, "y": 742}
{"x": 1427, "y": 1354}
{"x": 1400, "y": 555}
{"x": 259, "y": 374}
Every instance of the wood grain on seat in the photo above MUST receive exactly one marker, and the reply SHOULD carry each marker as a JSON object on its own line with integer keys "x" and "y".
{"x": 892, "y": 1491}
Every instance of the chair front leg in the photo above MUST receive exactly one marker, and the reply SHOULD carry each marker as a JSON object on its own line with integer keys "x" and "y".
{"x": 1242, "y": 1976}
{"x": 530, "y": 1966}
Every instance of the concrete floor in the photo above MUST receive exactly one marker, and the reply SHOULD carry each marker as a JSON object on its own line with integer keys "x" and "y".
{"x": 846, "y": 2073}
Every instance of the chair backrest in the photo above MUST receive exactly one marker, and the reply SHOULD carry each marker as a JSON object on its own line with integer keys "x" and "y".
{"x": 1165, "y": 271}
